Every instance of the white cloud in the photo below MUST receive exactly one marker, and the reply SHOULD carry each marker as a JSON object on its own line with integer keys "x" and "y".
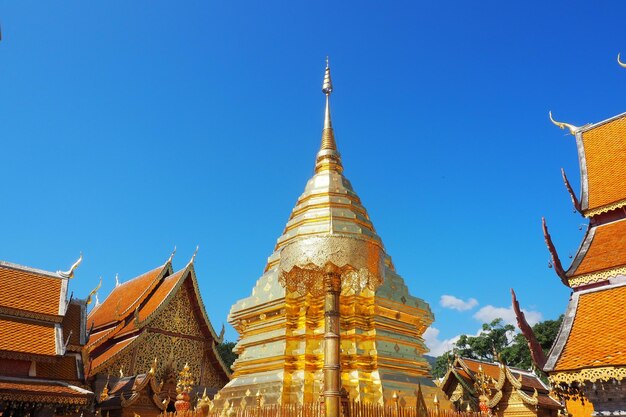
{"x": 489, "y": 313}
{"x": 438, "y": 347}
{"x": 454, "y": 303}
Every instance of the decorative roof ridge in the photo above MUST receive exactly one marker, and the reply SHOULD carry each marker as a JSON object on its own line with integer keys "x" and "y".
{"x": 130, "y": 341}
{"x": 563, "y": 334}
{"x": 12, "y": 312}
{"x": 591, "y": 126}
{"x": 167, "y": 267}
{"x": 121, "y": 316}
{"x": 582, "y": 251}
{"x": 604, "y": 209}
{"x": 36, "y": 381}
{"x": 180, "y": 276}
{"x": 495, "y": 363}
{"x": 11, "y": 265}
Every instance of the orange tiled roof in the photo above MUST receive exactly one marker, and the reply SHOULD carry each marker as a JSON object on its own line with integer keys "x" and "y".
{"x": 607, "y": 249}
{"x": 19, "y": 389}
{"x": 125, "y": 297}
{"x": 72, "y": 323}
{"x": 597, "y": 335}
{"x": 110, "y": 353}
{"x": 24, "y": 289}
{"x": 63, "y": 368}
{"x": 154, "y": 301}
{"x": 27, "y": 337}
{"x": 605, "y": 156}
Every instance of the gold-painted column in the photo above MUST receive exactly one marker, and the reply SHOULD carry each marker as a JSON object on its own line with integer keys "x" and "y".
{"x": 332, "y": 363}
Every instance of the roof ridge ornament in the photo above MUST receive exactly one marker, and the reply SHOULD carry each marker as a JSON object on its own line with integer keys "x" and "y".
{"x": 621, "y": 64}
{"x": 70, "y": 273}
{"x": 117, "y": 280}
{"x": 193, "y": 257}
{"x": 172, "y": 255}
{"x": 572, "y": 129}
{"x": 555, "y": 262}
{"x": 94, "y": 292}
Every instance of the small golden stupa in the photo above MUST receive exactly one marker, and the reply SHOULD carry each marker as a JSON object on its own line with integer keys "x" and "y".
{"x": 281, "y": 324}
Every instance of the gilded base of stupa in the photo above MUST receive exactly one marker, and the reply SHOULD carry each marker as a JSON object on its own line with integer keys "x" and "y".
{"x": 281, "y": 348}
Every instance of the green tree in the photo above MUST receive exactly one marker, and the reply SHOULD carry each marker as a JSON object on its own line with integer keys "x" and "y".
{"x": 225, "y": 349}
{"x": 501, "y": 338}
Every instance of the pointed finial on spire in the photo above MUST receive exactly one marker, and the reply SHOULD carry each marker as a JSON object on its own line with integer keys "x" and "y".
{"x": 327, "y": 86}
{"x": 193, "y": 257}
{"x": 328, "y": 157}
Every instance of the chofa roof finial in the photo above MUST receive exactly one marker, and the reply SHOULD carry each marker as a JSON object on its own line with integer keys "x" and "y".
{"x": 572, "y": 129}
{"x": 621, "y": 64}
{"x": 193, "y": 257}
{"x": 70, "y": 273}
{"x": 172, "y": 255}
{"x": 94, "y": 292}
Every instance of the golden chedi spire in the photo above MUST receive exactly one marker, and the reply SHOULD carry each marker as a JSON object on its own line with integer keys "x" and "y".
{"x": 328, "y": 157}
{"x": 281, "y": 346}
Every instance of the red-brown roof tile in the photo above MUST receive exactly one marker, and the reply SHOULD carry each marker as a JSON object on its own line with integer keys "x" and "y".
{"x": 607, "y": 249}
{"x": 125, "y": 298}
{"x": 24, "y": 289}
{"x": 27, "y": 337}
{"x": 599, "y": 313}
{"x": 605, "y": 156}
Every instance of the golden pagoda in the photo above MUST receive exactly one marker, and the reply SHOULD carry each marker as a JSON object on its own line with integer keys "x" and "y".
{"x": 282, "y": 323}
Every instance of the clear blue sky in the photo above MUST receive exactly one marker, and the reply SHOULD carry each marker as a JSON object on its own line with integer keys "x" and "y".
{"x": 129, "y": 127}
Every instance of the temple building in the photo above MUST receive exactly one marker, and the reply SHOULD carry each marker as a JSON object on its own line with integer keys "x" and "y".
{"x": 587, "y": 363}
{"x": 142, "y": 334}
{"x": 282, "y": 323}
{"x": 497, "y": 390}
{"x": 42, "y": 333}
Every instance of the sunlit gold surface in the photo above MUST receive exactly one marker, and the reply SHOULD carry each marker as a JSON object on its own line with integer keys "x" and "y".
{"x": 281, "y": 345}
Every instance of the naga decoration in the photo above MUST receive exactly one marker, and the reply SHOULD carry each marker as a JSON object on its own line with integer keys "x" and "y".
{"x": 536, "y": 351}
{"x": 556, "y": 262}
{"x": 172, "y": 255}
{"x": 70, "y": 273}
{"x": 572, "y": 129}
{"x": 94, "y": 292}
{"x": 575, "y": 200}
{"x": 193, "y": 257}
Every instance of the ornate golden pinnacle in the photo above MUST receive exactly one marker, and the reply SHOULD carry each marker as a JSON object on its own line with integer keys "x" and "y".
{"x": 70, "y": 273}
{"x": 572, "y": 129}
{"x": 621, "y": 64}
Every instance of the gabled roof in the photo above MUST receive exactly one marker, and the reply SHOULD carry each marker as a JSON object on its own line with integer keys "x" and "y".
{"x": 31, "y": 292}
{"x": 126, "y": 297}
{"x": 464, "y": 371}
{"x": 602, "y": 157}
{"x": 116, "y": 337}
{"x": 592, "y": 335}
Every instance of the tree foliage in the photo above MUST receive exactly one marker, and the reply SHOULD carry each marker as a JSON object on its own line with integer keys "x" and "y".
{"x": 225, "y": 349}
{"x": 499, "y": 338}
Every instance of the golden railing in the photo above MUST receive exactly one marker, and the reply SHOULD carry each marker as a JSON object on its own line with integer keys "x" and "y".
{"x": 349, "y": 409}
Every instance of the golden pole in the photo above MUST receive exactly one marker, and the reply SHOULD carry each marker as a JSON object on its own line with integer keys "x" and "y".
{"x": 332, "y": 364}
